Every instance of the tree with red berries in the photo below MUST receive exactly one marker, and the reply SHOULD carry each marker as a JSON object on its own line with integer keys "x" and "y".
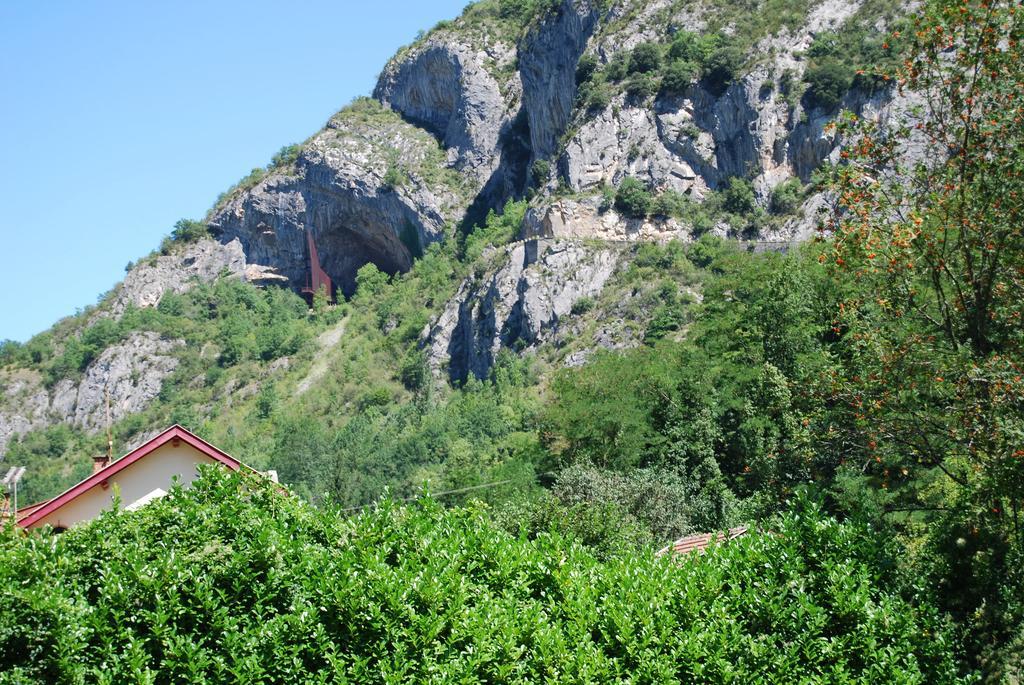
{"x": 928, "y": 233}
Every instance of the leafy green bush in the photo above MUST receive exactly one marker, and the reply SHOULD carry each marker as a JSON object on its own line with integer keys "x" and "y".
{"x": 660, "y": 503}
{"x": 722, "y": 66}
{"x": 582, "y": 306}
{"x": 858, "y": 55}
{"x": 827, "y": 83}
{"x": 497, "y": 229}
{"x": 375, "y": 397}
{"x": 669, "y": 203}
{"x": 679, "y": 75}
{"x": 595, "y": 95}
{"x": 188, "y": 231}
{"x": 786, "y": 196}
{"x": 644, "y": 58}
{"x": 10, "y": 351}
{"x": 232, "y": 581}
{"x": 692, "y": 47}
{"x": 738, "y": 197}
{"x": 617, "y": 67}
{"x": 286, "y": 156}
{"x": 394, "y": 176}
{"x": 633, "y": 199}
{"x": 525, "y": 11}
{"x": 414, "y": 373}
{"x": 370, "y": 281}
{"x": 587, "y": 65}
{"x": 539, "y": 171}
{"x": 641, "y": 86}
{"x": 668, "y": 318}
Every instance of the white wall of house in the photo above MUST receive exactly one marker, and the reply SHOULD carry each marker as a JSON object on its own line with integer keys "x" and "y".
{"x": 136, "y": 482}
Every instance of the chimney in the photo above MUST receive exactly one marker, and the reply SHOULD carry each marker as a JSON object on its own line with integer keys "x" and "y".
{"x": 100, "y": 462}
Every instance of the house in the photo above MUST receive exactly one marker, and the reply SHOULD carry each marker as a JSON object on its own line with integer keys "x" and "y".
{"x": 138, "y": 477}
{"x": 701, "y": 541}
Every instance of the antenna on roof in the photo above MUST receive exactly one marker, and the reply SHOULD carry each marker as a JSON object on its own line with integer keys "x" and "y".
{"x": 10, "y": 483}
{"x": 110, "y": 437}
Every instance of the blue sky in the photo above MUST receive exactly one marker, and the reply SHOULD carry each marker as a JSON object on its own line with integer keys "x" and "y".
{"x": 119, "y": 117}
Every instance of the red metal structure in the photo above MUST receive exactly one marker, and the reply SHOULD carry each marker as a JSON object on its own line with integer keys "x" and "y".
{"x": 316, "y": 277}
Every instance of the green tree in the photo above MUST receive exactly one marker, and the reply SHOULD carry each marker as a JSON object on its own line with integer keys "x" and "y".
{"x": 595, "y": 95}
{"x": 641, "y": 85}
{"x": 786, "y": 196}
{"x": 678, "y": 76}
{"x": 645, "y": 57}
{"x": 827, "y": 83}
{"x": 693, "y": 47}
{"x": 721, "y": 67}
{"x": 370, "y": 281}
{"x": 188, "y": 231}
{"x": 586, "y": 67}
{"x": 932, "y": 325}
{"x": 738, "y": 197}
{"x": 632, "y": 198}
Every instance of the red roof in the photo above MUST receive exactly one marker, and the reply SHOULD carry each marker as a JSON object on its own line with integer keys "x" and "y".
{"x": 28, "y": 509}
{"x": 700, "y": 542}
{"x": 33, "y": 513}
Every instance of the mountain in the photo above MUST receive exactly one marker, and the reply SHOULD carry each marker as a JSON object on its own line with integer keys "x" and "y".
{"x": 718, "y": 112}
{"x": 580, "y": 282}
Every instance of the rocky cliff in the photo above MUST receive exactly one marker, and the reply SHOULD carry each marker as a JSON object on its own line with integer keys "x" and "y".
{"x": 493, "y": 105}
{"x": 557, "y": 102}
{"x": 370, "y": 187}
{"x": 517, "y": 305}
{"x": 128, "y": 375}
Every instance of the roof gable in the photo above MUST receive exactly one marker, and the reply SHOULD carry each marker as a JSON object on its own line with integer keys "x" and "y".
{"x": 174, "y": 434}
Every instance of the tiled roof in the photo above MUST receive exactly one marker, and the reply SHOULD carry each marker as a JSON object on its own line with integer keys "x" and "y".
{"x": 29, "y": 508}
{"x": 699, "y": 542}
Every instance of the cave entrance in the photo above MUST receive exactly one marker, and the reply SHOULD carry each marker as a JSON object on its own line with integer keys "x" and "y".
{"x": 343, "y": 250}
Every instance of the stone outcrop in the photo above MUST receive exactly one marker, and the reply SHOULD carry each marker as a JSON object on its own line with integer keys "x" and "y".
{"x": 547, "y": 66}
{"x": 27, "y": 402}
{"x": 697, "y": 142}
{"x": 200, "y": 262}
{"x": 369, "y": 189}
{"x": 443, "y": 86}
{"x": 584, "y": 218}
{"x": 519, "y": 304}
{"x": 659, "y": 146}
{"x": 132, "y": 371}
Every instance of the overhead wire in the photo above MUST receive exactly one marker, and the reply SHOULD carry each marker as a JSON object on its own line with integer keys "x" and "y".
{"x": 443, "y": 493}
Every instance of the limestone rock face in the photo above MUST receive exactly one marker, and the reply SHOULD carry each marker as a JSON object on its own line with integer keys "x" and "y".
{"x": 697, "y": 141}
{"x": 28, "y": 402}
{"x": 132, "y": 371}
{"x": 547, "y": 66}
{"x": 365, "y": 187}
{"x": 203, "y": 261}
{"x": 443, "y": 86}
{"x": 584, "y": 218}
{"x": 519, "y": 304}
